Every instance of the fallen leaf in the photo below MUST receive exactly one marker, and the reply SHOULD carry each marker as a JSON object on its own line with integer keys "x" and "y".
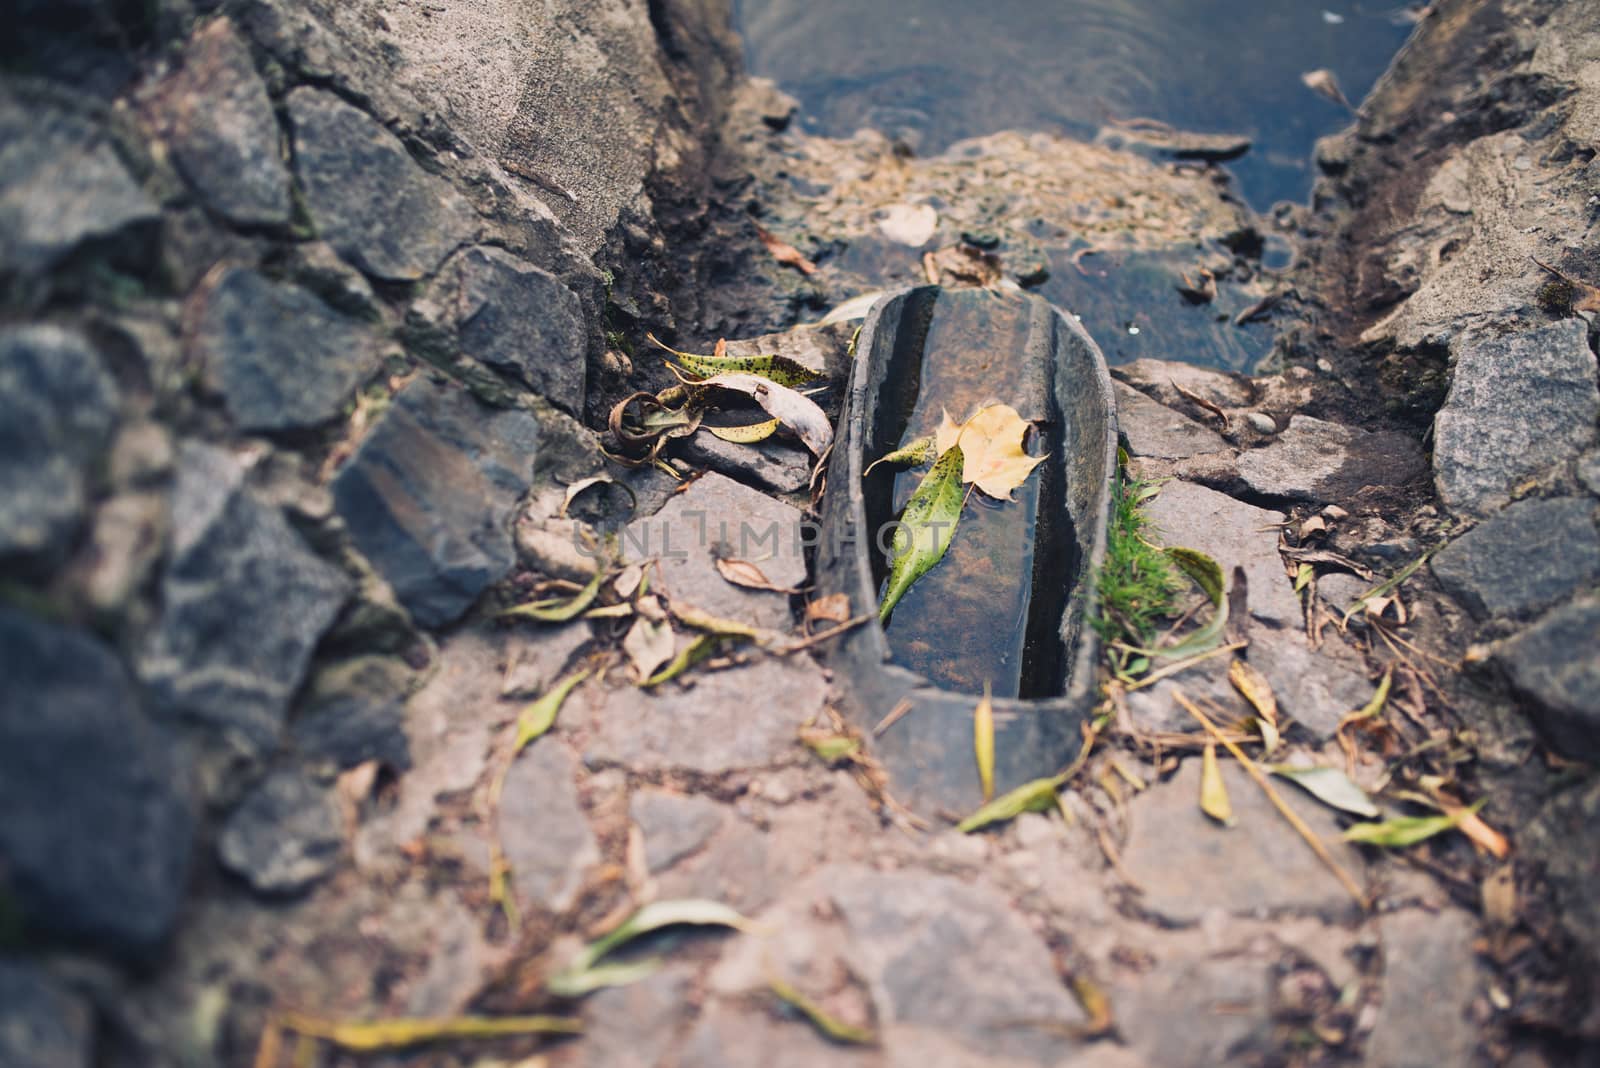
{"x": 830, "y": 1026}
{"x": 725, "y": 628}
{"x": 1325, "y": 84}
{"x": 1207, "y": 574}
{"x": 834, "y": 608}
{"x": 690, "y": 655}
{"x": 540, "y": 716}
{"x": 557, "y": 610}
{"x": 1096, "y": 1005}
{"x": 925, "y": 528}
{"x": 648, "y": 645}
{"x": 831, "y": 747}
{"x": 983, "y": 742}
{"x": 403, "y": 1032}
{"x": 1303, "y": 577}
{"x": 651, "y": 917}
{"x": 604, "y": 976}
{"x": 744, "y": 573}
{"x": 1213, "y": 792}
{"x": 1472, "y": 825}
{"x": 1330, "y": 786}
{"x": 1402, "y": 831}
{"x": 785, "y": 253}
{"x": 855, "y": 308}
{"x": 991, "y": 442}
{"x": 746, "y": 435}
{"x": 1255, "y": 688}
{"x": 1036, "y": 796}
{"x": 628, "y": 581}
{"x": 1499, "y": 896}
{"x": 794, "y": 410}
{"x": 774, "y": 368}
{"x": 917, "y": 451}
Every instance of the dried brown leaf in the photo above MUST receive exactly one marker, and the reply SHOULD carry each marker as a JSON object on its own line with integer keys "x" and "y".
{"x": 744, "y": 573}
{"x": 785, "y": 253}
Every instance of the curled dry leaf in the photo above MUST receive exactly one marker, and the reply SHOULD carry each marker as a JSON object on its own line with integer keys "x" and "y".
{"x": 909, "y": 224}
{"x": 855, "y": 308}
{"x": 1258, "y": 691}
{"x": 779, "y": 369}
{"x": 648, "y": 646}
{"x": 785, "y": 253}
{"x": 1330, "y": 786}
{"x": 744, "y": 573}
{"x": 917, "y": 451}
{"x": 794, "y": 410}
{"x": 1325, "y": 84}
{"x": 575, "y": 490}
{"x": 834, "y": 608}
{"x": 1214, "y": 800}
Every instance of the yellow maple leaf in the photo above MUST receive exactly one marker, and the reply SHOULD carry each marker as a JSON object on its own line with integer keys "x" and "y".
{"x": 991, "y": 444}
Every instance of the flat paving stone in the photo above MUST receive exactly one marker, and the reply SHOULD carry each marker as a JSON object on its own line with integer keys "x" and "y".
{"x": 216, "y": 116}
{"x": 714, "y": 518}
{"x": 1430, "y": 977}
{"x": 744, "y": 717}
{"x": 1553, "y": 664}
{"x": 1190, "y": 865}
{"x": 1528, "y": 557}
{"x": 367, "y": 197}
{"x": 1517, "y": 403}
{"x": 1160, "y": 380}
{"x": 1323, "y": 463}
{"x": 1234, "y": 534}
{"x": 543, "y": 831}
{"x": 1154, "y": 430}
{"x": 673, "y": 825}
{"x": 633, "y": 1026}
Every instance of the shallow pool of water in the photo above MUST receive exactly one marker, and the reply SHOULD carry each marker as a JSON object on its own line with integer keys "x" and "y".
{"x": 932, "y": 72}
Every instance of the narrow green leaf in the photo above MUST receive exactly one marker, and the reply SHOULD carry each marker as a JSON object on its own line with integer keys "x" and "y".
{"x": 1383, "y": 589}
{"x": 1207, "y": 574}
{"x": 556, "y": 610}
{"x": 830, "y": 1026}
{"x": 601, "y": 976}
{"x": 779, "y": 369}
{"x": 830, "y": 747}
{"x": 983, "y": 742}
{"x": 925, "y": 528}
{"x": 1330, "y": 786}
{"x": 687, "y": 657}
{"x": 1036, "y": 796}
{"x": 540, "y": 716}
{"x": 1214, "y": 800}
{"x": 918, "y": 451}
{"x": 745, "y": 435}
{"x": 403, "y": 1032}
{"x": 1405, "y": 831}
{"x": 653, "y": 917}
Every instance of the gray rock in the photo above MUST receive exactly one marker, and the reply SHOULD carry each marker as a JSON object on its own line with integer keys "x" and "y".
{"x": 215, "y": 115}
{"x": 316, "y": 266}
{"x": 1528, "y": 557}
{"x": 770, "y": 465}
{"x": 744, "y": 717}
{"x": 673, "y": 825}
{"x": 285, "y": 836}
{"x": 429, "y": 496}
{"x": 535, "y": 656}
{"x": 57, "y": 409}
{"x": 546, "y": 839}
{"x": 1234, "y": 534}
{"x": 1564, "y": 839}
{"x": 1314, "y": 460}
{"x": 1190, "y": 865}
{"x": 1553, "y": 663}
{"x": 244, "y": 603}
{"x": 1197, "y": 1006}
{"x": 516, "y": 318}
{"x": 96, "y": 841}
{"x": 62, "y": 184}
{"x": 1316, "y": 689}
{"x": 1430, "y": 977}
{"x": 367, "y": 197}
{"x": 714, "y": 518}
{"x": 354, "y": 711}
{"x": 1156, "y": 431}
{"x": 281, "y": 358}
{"x": 632, "y": 1026}
{"x": 1517, "y": 404}
{"x": 1589, "y": 471}
{"x": 1160, "y": 379}
{"x": 942, "y": 956}
{"x": 737, "y": 1036}
{"x": 42, "y": 1025}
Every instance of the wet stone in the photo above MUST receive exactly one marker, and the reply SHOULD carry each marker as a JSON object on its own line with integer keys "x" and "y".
{"x": 42, "y": 1024}
{"x": 1189, "y": 865}
{"x": 673, "y": 825}
{"x": 1154, "y": 430}
{"x": 216, "y": 116}
{"x": 514, "y": 317}
{"x": 428, "y": 497}
{"x": 773, "y": 466}
{"x": 1321, "y": 462}
{"x": 244, "y": 603}
{"x": 1430, "y": 978}
{"x": 1234, "y": 534}
{"x": 61, "y": 185}
{"x": 1160, "y": 379}
{"x": 714, "y": 518}
{"x": 367, "y": 197}
{"x": 743, "y": 717}
{"x": 354, "y": 711}
{"x": 285, "y": 836}
{"x": 95, "y": 846}
{"x": 1553, "y": 664}
{"x": 1517, "y": 404}
{"x": 546, "y": 839}
{"x": 1527, "y": 557}
{"x": 282, "y": 359}
{"x": 57, "y": 409}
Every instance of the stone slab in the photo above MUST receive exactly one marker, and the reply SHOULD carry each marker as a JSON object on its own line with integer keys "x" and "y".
{"x": 1527, "y": 557}
{"x": 1430, "y": 977}
{"x": 1554, "y": 665}
{"x": 673, "y": 825}
{"x": 284, "y": 836}
{"x": 543, "y": 831}
{"x": 1321, "y": 462}
{"x": 1152, "y": 429}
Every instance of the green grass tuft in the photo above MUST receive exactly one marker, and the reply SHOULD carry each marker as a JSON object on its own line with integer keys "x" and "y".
{"x": 1137, "y": 586}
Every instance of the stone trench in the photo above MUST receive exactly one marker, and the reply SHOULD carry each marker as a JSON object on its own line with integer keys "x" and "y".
{"x": 309, "y": 326}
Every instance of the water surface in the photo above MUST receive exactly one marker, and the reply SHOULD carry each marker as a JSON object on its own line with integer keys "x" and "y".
{"x": 935, "y": 71}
